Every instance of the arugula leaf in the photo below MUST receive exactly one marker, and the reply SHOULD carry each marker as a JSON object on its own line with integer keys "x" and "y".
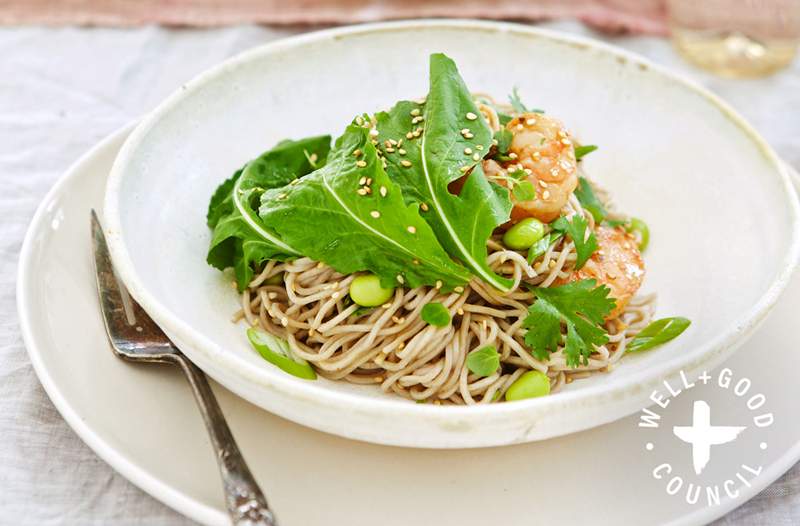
{"x": 657, "y": 333}
{"x": 581, "y": 306}
{"x": 329, "y": 216}
{"x": 541, "y": 246}
{"x": 484, "y": 361}
{"x": 239, "y": 239}
{"x": 576, "y": 230}
{"x": 447, "y": 126}
{"x": 436, "y": 314}
{"x": 580, "y": 151}
{"x": 589, "y": 200}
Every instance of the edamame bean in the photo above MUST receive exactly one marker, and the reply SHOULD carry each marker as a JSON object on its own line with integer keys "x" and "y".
{"x": 524, "y": 234}
{"x": 366, "y": 290}
{"x": 277, "y": 279}
{"x": 637, "y": 225}
{"x": 530, "y": 385}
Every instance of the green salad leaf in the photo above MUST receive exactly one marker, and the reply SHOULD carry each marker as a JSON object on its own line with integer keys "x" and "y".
{"x": 484, "y": 361}
{"x": 581, "y": 306}
{"x": 657, "y": 333}
{"x": 352, "y": 216}
{"x": 586, "y": 196}
{"x": 240, "y": 239}
{"x": 436, "y": 314}
{"x": 576, "y": 230}
{"x": 434, "y": 144}
{"x": 581, "y": 151}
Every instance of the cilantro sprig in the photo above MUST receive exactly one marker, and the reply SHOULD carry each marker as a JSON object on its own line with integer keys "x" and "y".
{"x": 581, "y": 306}
{"x": 576, "y": 230}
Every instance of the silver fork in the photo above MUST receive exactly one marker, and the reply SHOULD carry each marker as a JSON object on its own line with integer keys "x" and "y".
{"x": 135, "y": 337}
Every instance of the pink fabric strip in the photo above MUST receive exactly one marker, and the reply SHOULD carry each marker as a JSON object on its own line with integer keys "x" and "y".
{"x": 641, "y": 16}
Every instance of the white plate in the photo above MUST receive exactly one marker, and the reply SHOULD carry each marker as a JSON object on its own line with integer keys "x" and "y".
{"x": 723, "y": 219}
{"x": 142, "y": 420}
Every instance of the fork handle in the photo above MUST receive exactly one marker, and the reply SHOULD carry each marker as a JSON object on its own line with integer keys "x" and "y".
{"x": 246, "y": 504}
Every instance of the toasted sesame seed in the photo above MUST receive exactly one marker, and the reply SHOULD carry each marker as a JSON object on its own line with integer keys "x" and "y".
{"x": 400, "y": 279}
{"x": 361, "y": 191}
{"x": 399, "y": 143}
{"x": 439, "y": 284}
{"x": 468, "y": 136}
{"x": 566, "y": 142}
{"x": 362, "y": 181}
{"x": 554, "y": 171}
{"x": 520, "y": 127}
{"x": 285, "y": 322}
{"x": 546, "y": 194}
{"x": 368, "y": 189}
{"x": 417, "y": 119}
{"x": 459, "y": 289}
{"x": 467, "y": 151}
{"x": 401, "y": 346}
{"x": 417, "y": 132}
{"x": 476, "y": 157}
{"x": 357, "y": 152}
{"x": 562, "y": 133}
{"x": 369, "y": 181}
{"x": 542, "y": 184}
{"x": 424, "y": 206}
{"x": 361, "y": 164}
{"x": 406, "y": 163}
{"x": 375, "y": 214}
{"x": 393, "y": 142}
{"x": 378, "y": 379}
{"x": 412, "y": 230}
{"x": 272, "y": 295}
{"x": 409, "y": 135}
{"x": 415, "y": 112}
{"x": 374, "y": 132}
{"x": 512, "y": 155}
{"x": 374, "y": 142}
{"x": 464, "y": 131}
{"x": 479, "y": 147}
{"x": 396, "y": 319}
{"x": 313, "y": 157}
{"x": 464, "y": 168}
{"x": 383, "y": 191}
{"x": 386, "y": 306}
{"x": 552, "y": 263}
{"x": 401, "y": 151}
{"x": 415, "y": 261}
{"x": 383, "y": 162}
{"x": 537, "y": 155}
{"x": 335, "y": 295}
{"x": 471, "y": 116}
{"x": 389, "y": 150}
{"x": 530, "y": 122}
{"x": 494, "y": 142}
{"x": 460, "y": 311}
{"x": 387, "y": 143}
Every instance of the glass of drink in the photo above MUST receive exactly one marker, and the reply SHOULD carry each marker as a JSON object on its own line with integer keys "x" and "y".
{"x": 736, "y": 38}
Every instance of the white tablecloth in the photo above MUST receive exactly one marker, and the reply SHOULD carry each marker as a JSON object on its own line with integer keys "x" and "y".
{"x": 61, "y": 91}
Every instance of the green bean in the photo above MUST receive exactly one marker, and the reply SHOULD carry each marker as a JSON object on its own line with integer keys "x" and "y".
{"x": 524, "y": 234}
{"x": 530, "y": 385}
{"x": 366, "y": 290}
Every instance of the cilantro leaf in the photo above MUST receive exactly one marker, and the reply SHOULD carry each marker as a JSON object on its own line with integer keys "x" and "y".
{"x": 589, "y": 200}
{"x": 541, "y": 246}
{"x": 576, "y": 230}
{"x": 516, "y": 102}
{"x": 436, "y": 314}
{"x": 524, "y": 191}
{"x": 582, "y": 307}
{"x": 484, "y": 361}
{"x": 580, "y": 151}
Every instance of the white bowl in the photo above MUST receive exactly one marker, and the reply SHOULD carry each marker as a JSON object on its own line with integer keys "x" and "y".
{"x": 722, "y": 213}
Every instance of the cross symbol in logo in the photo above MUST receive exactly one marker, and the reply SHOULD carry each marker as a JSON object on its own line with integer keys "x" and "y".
{"x": 702, "y": 435}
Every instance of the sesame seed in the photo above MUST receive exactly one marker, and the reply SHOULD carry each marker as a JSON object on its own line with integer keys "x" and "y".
{"x": 272, "y": 295}
{"x": 375, "y": 214}
{"x": 537, "y": 155}
{"x": 357, "y": 152}
{"x": 546, "y": 194}
{"x": 399, "y": 143}
{"x": 400, "y": 279}
{"x": 383, "y": 191}
{"x": 494, "y": 142}
{"x": 554, "y": 171}
{"x": 562, "y": 133}
{"x": 459, "y": 289}
{"x": 464, "y": 131}
{"x": 566, "y": 142}
{"x": 361, "y": 191}
{"x": 392, "y": 142}
{"x": 378, "y": 379}
{"x": 460, "y": 311}
{"x": 383, "y": 162}
{"x": 468, "y": 136}
{"x": 368, "y": 189}
{"x": 362, "y": 181}
{"x": 313, "y": 157}
{"x": 415, "y": 112}
{"x": 520, "y": 127}
{"x": 396, "y": 319}
{"x": 389, "y": 150}
{"x": 401, "y": 151}
{"x": 409, "y": 135}
{"x": 424, "y": 207}
{"x": 406, "y": 163}
{"x": 359, "y": 120}
{"x": 411, "y": 230}
{"x": 479, "y": 147}
{"x": 530, "y": 122}
{"x": 415, "y": 261}
{"x": 471, "y": 116}
{"x": 387, "y": 143}
{"x": 369, "y": 181}
{"x": 335, "y": 295}
{"x": 542, "y": 184}
{"x": 361, "y": 164}
{"x": 528, "y": 171}
{"x": 401, "y": 346}
{"x": 552, "y": 263}
{"x": 464, "y": 168}
{"x": 476, "y": 157}
{"x": 374, "y": 142}
{"x": 417, "y": 119}
{"x": 386, "y": 306}
{"x": 467, "y": 151}
{"x": 417, "y": 132}
{"x": 512, "y": 155}
{"x": 438, "y": 284}
{"x": 285, "y": 322}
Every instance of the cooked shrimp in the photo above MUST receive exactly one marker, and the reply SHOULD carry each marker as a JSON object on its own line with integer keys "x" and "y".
{"x": 542, "y": 148}
{"x": 617, "y": 264}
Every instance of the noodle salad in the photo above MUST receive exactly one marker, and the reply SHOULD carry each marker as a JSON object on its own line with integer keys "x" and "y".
{"x": 449, "y": 250}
